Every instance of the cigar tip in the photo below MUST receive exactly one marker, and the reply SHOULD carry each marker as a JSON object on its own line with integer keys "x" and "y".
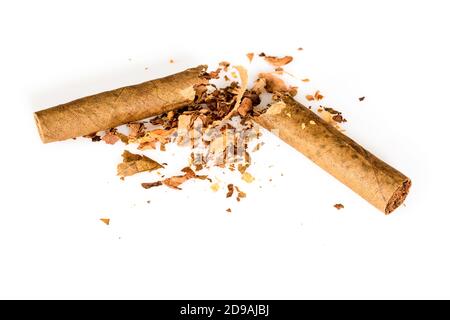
{"x": 398, "y": 197}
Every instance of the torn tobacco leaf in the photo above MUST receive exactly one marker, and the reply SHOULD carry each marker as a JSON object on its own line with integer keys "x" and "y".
{"x": 277, "y": 61}
{"x": 135, "y": 163}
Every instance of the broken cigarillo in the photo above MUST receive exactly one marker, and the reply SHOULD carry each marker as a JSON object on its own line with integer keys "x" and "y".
{"x": 377, "y": 182}
{"x": 113, "y": 108}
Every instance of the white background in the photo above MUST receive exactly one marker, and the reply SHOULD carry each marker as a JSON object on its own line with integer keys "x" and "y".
{"x": 285, "y": 240}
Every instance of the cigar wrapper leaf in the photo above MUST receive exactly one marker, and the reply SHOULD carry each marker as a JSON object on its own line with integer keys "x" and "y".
{"x": 377, "y": 182}
{"x": 113, "y": 108}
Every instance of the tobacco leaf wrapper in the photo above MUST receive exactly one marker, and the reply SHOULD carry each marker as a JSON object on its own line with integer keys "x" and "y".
{"x": 374, "y": 180}
{"x": 113, "y": 108}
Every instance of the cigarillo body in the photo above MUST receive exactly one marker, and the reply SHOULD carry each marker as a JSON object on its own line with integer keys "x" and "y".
{"x": 113, "y": 108}
{"x": 371, "y": 178}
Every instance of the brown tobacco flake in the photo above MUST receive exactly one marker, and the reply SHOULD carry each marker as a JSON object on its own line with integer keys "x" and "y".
{"x": 241, "y": 194}
{"x": 135, "y": 163}
{"x": 245, "y": 107}
{"x": 331, "y": 110}
{"x": 136, "y": 130}
{"x": 230, "y": 188}
{"x": 215, "y": 74}
{"x": 262, "y": 54}
{"x": 361, "y": 98}
{"x": 339, "y": 206}
{"x": 228, "y": 210}
{"x": 300, "y": 49}
{"x": 148, "y": 185}
{"x": 171, "y": 61}
{"x": 277, "y": 61}
{"x": 305, "y": 80}
{"x": 110, "y": 137}
{"x": 105, "y": 221}
{"x": 250, "y": 56}
{"x": 339, "y": 118}
{"x": 318, "y": 96}
{"x": 258, "y": 146}
{"x": 96, "y": 138}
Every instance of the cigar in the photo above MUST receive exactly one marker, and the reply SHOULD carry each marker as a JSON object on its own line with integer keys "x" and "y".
{"x": 113, "y": 108}
{"x": 377, "y": 182}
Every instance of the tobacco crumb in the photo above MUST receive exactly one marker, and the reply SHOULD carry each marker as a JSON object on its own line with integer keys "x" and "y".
{"x": 171, "y": 61}
{"x": 215, "y": 187}
{"x": 250, "y": 56}
{"x": 230, "y": 188}
{"x": 339, "y": 206}
{"x": 361, "y": 98}
{"x": 339, "y": 118}
{"x": 309, "y": 97}
{"x": 105, "y": 221}
{"x": 95, "y": 138}
{"x": 228, "y": 210}
{"x": 300, "y": 49}
{"x": 305, "y": 80}
{"x": 262, "y": 54}
{"x": 247, "y": 177}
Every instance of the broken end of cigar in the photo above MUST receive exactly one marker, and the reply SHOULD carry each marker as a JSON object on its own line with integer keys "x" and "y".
{"x": 398, "y": 197}
{"x": 40, "y": 128}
